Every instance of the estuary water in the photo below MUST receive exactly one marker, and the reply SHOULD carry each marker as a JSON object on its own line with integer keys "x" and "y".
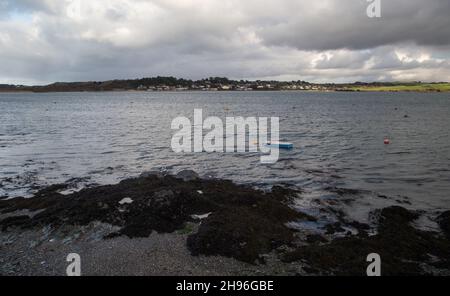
{"x": 88, "y": 138}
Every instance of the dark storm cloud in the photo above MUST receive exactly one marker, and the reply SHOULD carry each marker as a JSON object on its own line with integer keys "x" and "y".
{"x": 344, "y": 24}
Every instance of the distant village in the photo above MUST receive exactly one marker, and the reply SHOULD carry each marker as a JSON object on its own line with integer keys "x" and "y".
{"x": 224, "y": 84}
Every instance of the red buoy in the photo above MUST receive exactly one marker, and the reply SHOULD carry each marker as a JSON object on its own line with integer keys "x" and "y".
{"x": 387, "y": 142}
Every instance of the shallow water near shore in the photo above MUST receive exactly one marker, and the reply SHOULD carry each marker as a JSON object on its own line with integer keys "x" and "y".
{"x": 88, "y": 138}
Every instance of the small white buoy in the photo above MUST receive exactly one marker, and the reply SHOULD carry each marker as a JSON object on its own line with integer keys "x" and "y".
{"x": 200, "y": 217}
{"x": 126, "y": 200}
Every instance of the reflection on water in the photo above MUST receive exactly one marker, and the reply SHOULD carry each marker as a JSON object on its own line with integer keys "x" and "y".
{"x": 338, "y": 138}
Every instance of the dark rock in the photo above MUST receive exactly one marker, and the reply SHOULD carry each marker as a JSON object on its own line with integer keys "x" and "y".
{"x": 444, "y": 222}
{"x": 51, "y": 189}
{"x": 395, "y": 215}
{"x": 13, "y": 221}
{"x": 285, "y": 193}
{"x": 187, "y": 175}
{"x": 163, "y": 198}
{"x": 361, "y": 227}
{"x": 315, "y": 238}
{"x": 334, "y": 228}
{"x": 103, "y": 206}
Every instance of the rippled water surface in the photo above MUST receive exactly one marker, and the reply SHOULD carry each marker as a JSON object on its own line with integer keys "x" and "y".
{"x": 104, "y": 137}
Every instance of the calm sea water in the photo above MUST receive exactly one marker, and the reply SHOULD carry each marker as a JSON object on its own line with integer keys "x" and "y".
{"x": 338, "y": 137}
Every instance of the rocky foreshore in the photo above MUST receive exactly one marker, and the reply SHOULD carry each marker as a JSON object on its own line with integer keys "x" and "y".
{"x": 183, "y": 225}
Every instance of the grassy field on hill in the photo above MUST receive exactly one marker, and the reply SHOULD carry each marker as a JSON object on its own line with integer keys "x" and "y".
{"x": 419, "y": 87}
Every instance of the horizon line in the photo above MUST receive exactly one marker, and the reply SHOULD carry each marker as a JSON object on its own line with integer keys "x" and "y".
{"x": 230, "y": 79}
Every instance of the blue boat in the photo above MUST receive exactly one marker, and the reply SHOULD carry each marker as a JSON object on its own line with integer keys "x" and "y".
{"x": 281, "y": 145}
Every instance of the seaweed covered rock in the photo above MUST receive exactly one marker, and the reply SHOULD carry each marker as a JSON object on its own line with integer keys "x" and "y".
{"x": 403, "y": 249}
{"x": 244, "y": 223}
{"x": 243, "y": 233}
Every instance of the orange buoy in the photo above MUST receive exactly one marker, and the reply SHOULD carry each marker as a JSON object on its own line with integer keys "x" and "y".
{"x": 387, "y": 141}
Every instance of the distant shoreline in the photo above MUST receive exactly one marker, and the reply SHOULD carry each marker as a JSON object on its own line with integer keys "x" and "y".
{"x": 218, "y": 91}
{"x": 167, "y": 84}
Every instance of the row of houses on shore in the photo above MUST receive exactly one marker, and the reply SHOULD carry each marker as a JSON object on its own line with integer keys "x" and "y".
{"x": 233, "y": 87}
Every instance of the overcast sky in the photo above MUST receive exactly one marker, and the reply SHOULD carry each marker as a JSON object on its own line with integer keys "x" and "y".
{"x": 43, "y": 41}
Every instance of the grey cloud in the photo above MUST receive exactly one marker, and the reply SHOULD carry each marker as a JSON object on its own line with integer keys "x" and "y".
{"x": 344, "y": 24}
{"x": 344, "y": 59}
{"x": 329, "y": 40}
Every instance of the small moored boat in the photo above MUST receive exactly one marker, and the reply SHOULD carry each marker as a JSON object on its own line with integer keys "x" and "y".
{"x": 281, "y": 145}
